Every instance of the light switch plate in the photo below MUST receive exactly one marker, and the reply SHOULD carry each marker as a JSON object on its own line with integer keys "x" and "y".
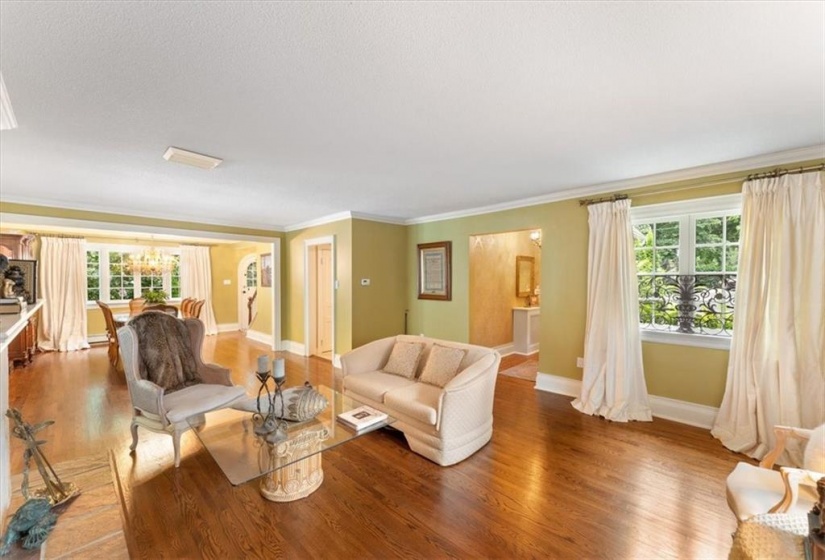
{"x": 227, "y": 282}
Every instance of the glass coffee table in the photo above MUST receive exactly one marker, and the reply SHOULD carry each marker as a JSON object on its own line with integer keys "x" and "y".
{"x": 289, "y": 469}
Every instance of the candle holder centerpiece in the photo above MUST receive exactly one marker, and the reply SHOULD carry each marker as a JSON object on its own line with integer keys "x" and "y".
{"x": 268, "y": 423}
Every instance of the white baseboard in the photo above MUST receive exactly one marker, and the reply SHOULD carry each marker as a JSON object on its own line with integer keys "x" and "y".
{"x": 228, "y": 327}
{"x": 692, "y": 414}
{"x": 259, "y": 336}
{"x": 97, "y": 338}
{"x": 504, "y": 349}
{"x": 293, "y": 347}
{"x": 699, "y": 415}
{"x": 532, "y": 349}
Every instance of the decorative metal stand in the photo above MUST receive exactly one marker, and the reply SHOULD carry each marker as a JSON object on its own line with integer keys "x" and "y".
{"x": 55, "y": 490}
{"x": 268, "y": 424}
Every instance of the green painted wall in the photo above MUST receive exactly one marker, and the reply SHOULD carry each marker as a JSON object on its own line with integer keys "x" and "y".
{"x": 293, "y": 318}
{"x": 378, "y": 253}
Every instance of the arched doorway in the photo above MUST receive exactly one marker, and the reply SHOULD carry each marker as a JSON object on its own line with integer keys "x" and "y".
{"x": 247, "y": 291}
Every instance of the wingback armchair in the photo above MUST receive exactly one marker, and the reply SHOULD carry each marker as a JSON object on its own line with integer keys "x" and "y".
{"x": 167, "y": 379}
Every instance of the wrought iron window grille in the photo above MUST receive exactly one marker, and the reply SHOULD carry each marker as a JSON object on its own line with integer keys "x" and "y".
{"x": 688, "y": 303}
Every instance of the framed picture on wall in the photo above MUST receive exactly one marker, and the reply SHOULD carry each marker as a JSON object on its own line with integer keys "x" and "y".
{"x": 266, "y": 270}
{"x": 23, "y": 277}
{"x": 434, "y": 271}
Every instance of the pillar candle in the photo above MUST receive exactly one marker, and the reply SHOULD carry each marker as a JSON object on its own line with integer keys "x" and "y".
{"x": 278, "y": 368}
{"x": 263, "y": 363}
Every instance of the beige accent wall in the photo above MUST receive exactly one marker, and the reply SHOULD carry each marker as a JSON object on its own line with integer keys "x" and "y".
{"x": 378, "y": 253}
{"x": 679, "y": 372}
{"x": 492, "y": 284}
{"x": 225, "y": 261}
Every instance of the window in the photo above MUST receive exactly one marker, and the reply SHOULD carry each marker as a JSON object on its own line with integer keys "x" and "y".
{"x": 92, "y": 275}
{"x": 687, "y": 256}
{"x": 109, "y": 278}
{"x": 252, "y": 275}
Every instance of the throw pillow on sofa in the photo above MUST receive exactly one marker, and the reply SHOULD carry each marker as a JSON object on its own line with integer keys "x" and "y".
{"x": 404, "y": 359}
{"x": 442, "y": 365}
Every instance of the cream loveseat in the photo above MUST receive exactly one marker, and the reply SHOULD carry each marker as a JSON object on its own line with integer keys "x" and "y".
{"x": 444, "y": 424}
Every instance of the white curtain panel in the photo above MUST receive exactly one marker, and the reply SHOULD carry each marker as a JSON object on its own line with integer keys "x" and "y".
{"x": 196, "y": 282}
{"x": 62, "y": 272}
{"x": 613, "y": 385}
{"x": 776, "y": 371}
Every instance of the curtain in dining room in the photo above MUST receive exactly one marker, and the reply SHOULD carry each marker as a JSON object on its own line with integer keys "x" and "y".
{"x": 613, "y": 384}
{"x": 776, "y": 370}
{"x": 196, "y": 282}
{"x": 62, "y": 281}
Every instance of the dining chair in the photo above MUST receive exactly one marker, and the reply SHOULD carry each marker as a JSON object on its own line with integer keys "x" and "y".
{"x": 195, "y": 309}
{"x": 186, "y": 307}
{"x": 162, "y": 307}
{"x": 111, "y": 336}
{"x": 136, "y": 305}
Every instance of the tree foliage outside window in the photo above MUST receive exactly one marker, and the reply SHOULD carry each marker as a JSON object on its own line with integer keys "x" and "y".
{"x": 686, "y": 269}
{"x": 92, "y": 275}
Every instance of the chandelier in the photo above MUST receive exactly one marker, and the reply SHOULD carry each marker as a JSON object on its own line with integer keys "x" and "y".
{"x": 150, "y": 262}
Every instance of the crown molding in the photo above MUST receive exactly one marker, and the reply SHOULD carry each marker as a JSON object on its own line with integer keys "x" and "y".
{"x": 347, "y": 215}
{"x": 149, "y": 232}
{"x": 53, "y": 203}
{"x": 732, "y": 166}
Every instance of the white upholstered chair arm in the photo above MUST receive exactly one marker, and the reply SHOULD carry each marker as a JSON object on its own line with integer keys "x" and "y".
{"x": 369, "y": 357}
{"x": 472, "y": 374}
{"x": 148, "y": 397}
{"x": 215, "y": 374}
{"x": 793, "y": 478}
{"x": 466, "y": 402}
{"x": 783, "y": 433}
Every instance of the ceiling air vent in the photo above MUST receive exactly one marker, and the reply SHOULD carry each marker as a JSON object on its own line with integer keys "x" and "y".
{"x": 191, "y": 158}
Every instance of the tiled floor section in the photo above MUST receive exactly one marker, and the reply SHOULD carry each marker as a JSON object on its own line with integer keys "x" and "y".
{"x": 89, "y": 526}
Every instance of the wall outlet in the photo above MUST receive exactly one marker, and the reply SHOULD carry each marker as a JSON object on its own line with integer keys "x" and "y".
{"x": 365, "y": 281}
{"x": 227, "y": 282}
{"x": 579, "y": 362}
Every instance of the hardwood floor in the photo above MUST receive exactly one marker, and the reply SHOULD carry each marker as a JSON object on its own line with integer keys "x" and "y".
{"x": 552, "y": 483}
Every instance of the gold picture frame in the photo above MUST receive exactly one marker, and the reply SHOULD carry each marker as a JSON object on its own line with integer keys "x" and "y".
{"x": 435, "y": 271}
{"x": 525, "y": 276}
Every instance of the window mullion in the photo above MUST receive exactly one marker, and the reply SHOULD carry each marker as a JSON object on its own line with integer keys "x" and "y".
{"x": 687, "y": 237}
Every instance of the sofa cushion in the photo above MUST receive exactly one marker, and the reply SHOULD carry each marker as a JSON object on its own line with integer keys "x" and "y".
{"x": 404, "y": 359}
{"x": 418, "y": 401}
{"x": 375, "y": 384}
{"x": 442, "y": 364}
{"x": 198, "y": 399}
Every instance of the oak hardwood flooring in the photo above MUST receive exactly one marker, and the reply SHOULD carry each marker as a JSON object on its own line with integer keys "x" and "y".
{"x": 552, "y": 483}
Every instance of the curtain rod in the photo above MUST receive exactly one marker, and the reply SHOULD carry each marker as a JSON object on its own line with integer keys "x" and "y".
{"x": 57, "y": 235}
{"x": 779, "y": 171}
{"x": 614, "y": 198}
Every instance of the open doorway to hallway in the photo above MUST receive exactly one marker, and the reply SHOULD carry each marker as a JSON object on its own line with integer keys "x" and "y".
{"x": 320, "y": 309}
{"x": 504, "y": 280}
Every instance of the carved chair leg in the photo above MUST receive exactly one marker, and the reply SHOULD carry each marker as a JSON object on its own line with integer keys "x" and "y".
{"x": 176, "y": 443}
{"x": 134, "y": 437}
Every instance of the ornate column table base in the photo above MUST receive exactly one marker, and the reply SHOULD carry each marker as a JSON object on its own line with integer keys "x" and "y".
{"x": 295, "y": 480}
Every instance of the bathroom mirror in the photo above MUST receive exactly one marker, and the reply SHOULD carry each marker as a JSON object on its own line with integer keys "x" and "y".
{"x": 524, "y": 276}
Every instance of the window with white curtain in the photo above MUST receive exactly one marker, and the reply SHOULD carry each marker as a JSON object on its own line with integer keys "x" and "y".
{"x": 109, "y": 278}
{"x": 687, "y": 256}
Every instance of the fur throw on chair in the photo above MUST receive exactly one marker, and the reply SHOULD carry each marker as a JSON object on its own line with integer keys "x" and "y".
{"x": 166, "y": 357}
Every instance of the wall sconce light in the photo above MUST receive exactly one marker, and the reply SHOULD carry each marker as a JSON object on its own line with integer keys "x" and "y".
{"x": 535, "y": 237}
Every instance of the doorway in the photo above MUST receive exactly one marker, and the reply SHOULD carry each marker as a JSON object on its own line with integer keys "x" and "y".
{"x": 247, "y": 291}
{"x": 504, "y": 281}
{"x": 319, "y": 308}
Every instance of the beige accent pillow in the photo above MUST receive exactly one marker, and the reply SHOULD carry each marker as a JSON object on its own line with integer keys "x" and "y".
{"x": 442, "y": 365}
{"x": 404, "y": 359}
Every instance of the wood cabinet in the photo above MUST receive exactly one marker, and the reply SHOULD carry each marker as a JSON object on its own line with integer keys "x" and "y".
{"x": 24, "y": 346}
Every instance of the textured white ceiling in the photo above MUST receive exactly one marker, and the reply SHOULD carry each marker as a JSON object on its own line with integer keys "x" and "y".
{"x": 395, "y": 109}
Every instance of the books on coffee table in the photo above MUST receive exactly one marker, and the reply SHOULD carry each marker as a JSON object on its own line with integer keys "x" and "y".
{"x": 361, "y": 418}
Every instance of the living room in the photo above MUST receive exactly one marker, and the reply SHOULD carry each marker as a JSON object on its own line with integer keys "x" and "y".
{"x": 382, "y": 127}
